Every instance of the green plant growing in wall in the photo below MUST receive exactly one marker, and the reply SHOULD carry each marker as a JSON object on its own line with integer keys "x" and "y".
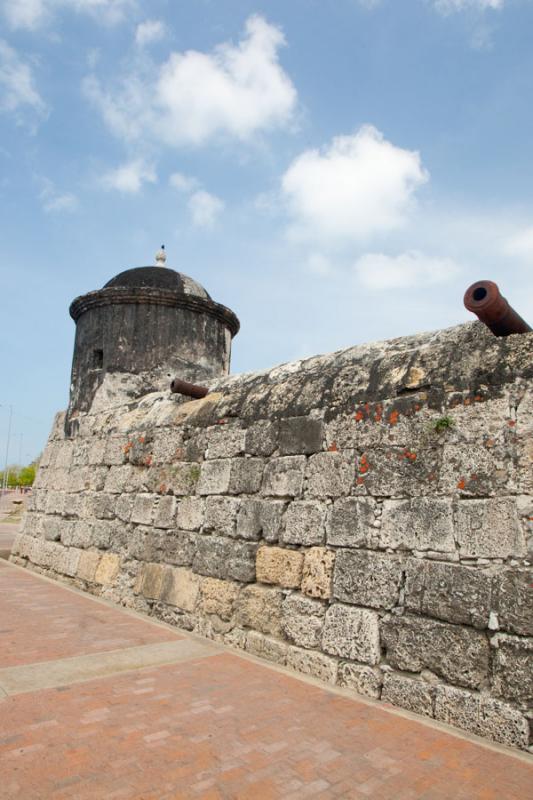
{"x": 195, "y": 472}
{"x": 443, "y": 424}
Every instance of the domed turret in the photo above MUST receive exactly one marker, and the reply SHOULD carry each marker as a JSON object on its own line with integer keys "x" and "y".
{"x": 144, "y": 327}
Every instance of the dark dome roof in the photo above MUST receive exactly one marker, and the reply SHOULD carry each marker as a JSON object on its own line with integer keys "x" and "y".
{"x": 158, "y": 278}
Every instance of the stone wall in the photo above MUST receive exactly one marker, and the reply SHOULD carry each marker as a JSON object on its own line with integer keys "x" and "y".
{"x": 361, "y": 517}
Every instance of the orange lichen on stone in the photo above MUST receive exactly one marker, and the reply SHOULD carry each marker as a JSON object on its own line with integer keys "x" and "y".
{"x": 333, "y": 447}
{"x": 409, "y": 455}
{"x": 461, "y": 484}
{"x": 363, "y": 465}
{"x": 148, "y": 461}
{"x": 127, "y": 447}
{"x": 141, "y": 439}
{"x": 360, "y": 481}
{"x": 359, "y": 415}
{"x": 162, "y": 488}
{"x": 379, "y": 413}
{"x": 511, "y": 423}
{"x": 393, "y": 417}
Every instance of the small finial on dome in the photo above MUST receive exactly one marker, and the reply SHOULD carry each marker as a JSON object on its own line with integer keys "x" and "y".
{"x": 161, "y": 257}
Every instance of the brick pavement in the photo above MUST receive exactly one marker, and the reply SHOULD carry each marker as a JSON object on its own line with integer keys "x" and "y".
{"x": 217, "y": 728}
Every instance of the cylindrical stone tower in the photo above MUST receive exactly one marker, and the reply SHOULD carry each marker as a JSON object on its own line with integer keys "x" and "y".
{"x": 146, "y": 326}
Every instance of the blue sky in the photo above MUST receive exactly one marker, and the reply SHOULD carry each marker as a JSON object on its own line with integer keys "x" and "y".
{"x": 335, "y": 171}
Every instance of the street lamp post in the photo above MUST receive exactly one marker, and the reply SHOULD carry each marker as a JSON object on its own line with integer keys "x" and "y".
{"x": 4, "y": 482}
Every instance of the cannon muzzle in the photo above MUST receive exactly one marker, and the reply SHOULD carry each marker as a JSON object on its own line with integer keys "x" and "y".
{"x": 484, "y": 299}
{"x": 189, "y": 389}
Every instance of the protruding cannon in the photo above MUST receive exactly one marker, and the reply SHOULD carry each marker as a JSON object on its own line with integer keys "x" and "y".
{"x": 189, "y": 389}
{"x": 484, "y": 299}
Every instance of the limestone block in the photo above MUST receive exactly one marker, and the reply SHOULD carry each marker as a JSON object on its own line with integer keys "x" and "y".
{"x": 489, "y": 529}
{"x": 399, "y": 471}
{"x": 107, "y": 569}
{"x": 167, "y": 446}
{"x": 361, "y": 678}
{"x": 304, "y": 523}
{"x": 512, "y": 667}
{"x": 352, "y": 633}
{"x": 330, "y": 474}
{"x": 450, "y": 592}
{"x": 459, "y": 655}
{"x": 88, "y": 564}
{"x": 271, "y": 515}
{"x": 70, "y": 561}
{"x": 262, "y": 438}
{"x": 482, "y": 715}
{"x": 366, "y": 578}
{"x": 119, "y": 479}
{"x": 95, "y": 455}
{"x": 259, "y": 608}
{"x": 175, "y": 547}
{"x": 241, "y": 562}
{"x": 409, "y": 693}
{"x": 102, "y": 534}
{"x": 302, "y": 620}
{"x": 165, "y": 512}
{"x": 225, "y": 441}
{"x": 280, "y": 566}
{"x": 424, "y": 523}
{"x": 246, "y": 475}
{"x": 63, "y": 455}
{"x": 143, "y": 509}
{"x": 101, "y": 505}
{"x": 212, "y": 555}
{"x": 191, "y": 512}
{"x": 151, "y": 581}
{"x": 183, "y": 478}
{"x": 283, "y": 476}
{"x": 515, "y": 600}
{"x": 214, "y": 477}
{"x": 221, "y": 515}
{"x": 266, "y": 647}
{"x": 474, "y": 469}
{"x": 312, "y": 663}
{"x": 55, "y": 502}
{"x": 317, "y": 572}
{"x": 524, "y": 465}
{"x": 351, "y": 522}
{"x": 218, "y": 597}
{"x": 115, "y": 451}
{"x": 51, "y": 528}
{"x": 300, "y": 435}
{"x": 249, "y": 524}
{"x": 179, "y": 587}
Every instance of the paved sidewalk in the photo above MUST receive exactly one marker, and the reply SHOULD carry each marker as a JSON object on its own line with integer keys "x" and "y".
{"x": 102, "y": 703}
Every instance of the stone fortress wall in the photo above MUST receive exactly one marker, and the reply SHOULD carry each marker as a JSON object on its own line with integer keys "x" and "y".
{"x": 362, "y": 517}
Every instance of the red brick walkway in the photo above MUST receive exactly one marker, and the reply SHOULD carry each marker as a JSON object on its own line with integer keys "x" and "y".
{"x": 221, "y": 727}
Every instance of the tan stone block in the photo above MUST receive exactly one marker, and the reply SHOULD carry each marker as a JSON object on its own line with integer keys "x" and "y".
{"x": 180, "y": 587}
{"x": 218, "y": 597}
{"x": 259, "y": 608}
{"x": 88, "y": 565}
{"x": 317, "y": 572}
{"x": 280, "y": 566}
{"x": 151, "y": 581}
{"x": 107, "y": 569}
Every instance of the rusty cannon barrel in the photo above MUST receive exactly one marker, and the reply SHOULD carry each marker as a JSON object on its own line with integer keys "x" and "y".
{"x": 189, "y": 389}
{"x": 483, "y": 298}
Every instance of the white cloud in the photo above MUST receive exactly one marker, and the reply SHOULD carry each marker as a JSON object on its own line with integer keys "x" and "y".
{"x": 129, "y": 178}
{"x": 205, "y": 208}
{"x": 32, "y": 14}
{"x": 183, "y": 183}
{"x": 17, "y": 88}
{"x": 358, "y": 186}
{"x": 150, "y": 31}
{"x": 319, "y": 264}
{"x": 520, "y": 245}
{"x": 237, "y": 91}
{"x": 54, "y": 201}
{"x": 378, "y": 271}
{"x": 451, "y": 6}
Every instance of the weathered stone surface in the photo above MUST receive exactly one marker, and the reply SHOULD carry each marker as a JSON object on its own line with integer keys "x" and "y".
{"x": 165, "y": 512}
{"x": 88, "y": 564}
{"x": 249, "y": 525}
{"x": 70, "y": 560}
{"x": 214, "y": 477}
{"x": 191, "y": 512}
{"x": 460, "y": 655}
{"x": 330, "y": 474}
{"x": 512, "y": 667}
{"x": 304, "y": 523}
{"x": 398, "y": 471}
{"x": 211, "y": 556}
{"x": 317, "y": 575}
{"x": 107, "y": 570}
{"x": 351, "y": 522}
{"x": 352, "y": 633}
{"x": 123, "y": 507}
{"x": 218, "y": 597}
{"x": 241, "y": 562}
{"x": 482, "y": 715}
{"x": 361, "y": 678}
{"x": 448, "y": 591}
{"x": 489, "y": 529}
{"x": 225, "y": 441}
{"x": 262, "y": 438}
{"x": 150, "y": 580}
{"x": 413, "y": 695}
{"x": 221, "y": 515}
{"x": 284, "y": 476}
{"x": 179, "y": 587}
{"x": 514, "y": 600}
{"x": 259, "y": 608}
{"x": 103, "y": 534}
{"x": 300, "y": 435}
{"x": 280, "y": 566}
{"x": 246, "y": 475}
{"x": 423, "y": 523}
{"x": 174, "y": 547}
{"x": 366, "y": 578}
{"x": 271, "y": 519}
{"x": 181, "y": 479}
{"x": 312, "y": 663}
{"x": 302, "y": 620}
{"x": 266, "y": 647}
